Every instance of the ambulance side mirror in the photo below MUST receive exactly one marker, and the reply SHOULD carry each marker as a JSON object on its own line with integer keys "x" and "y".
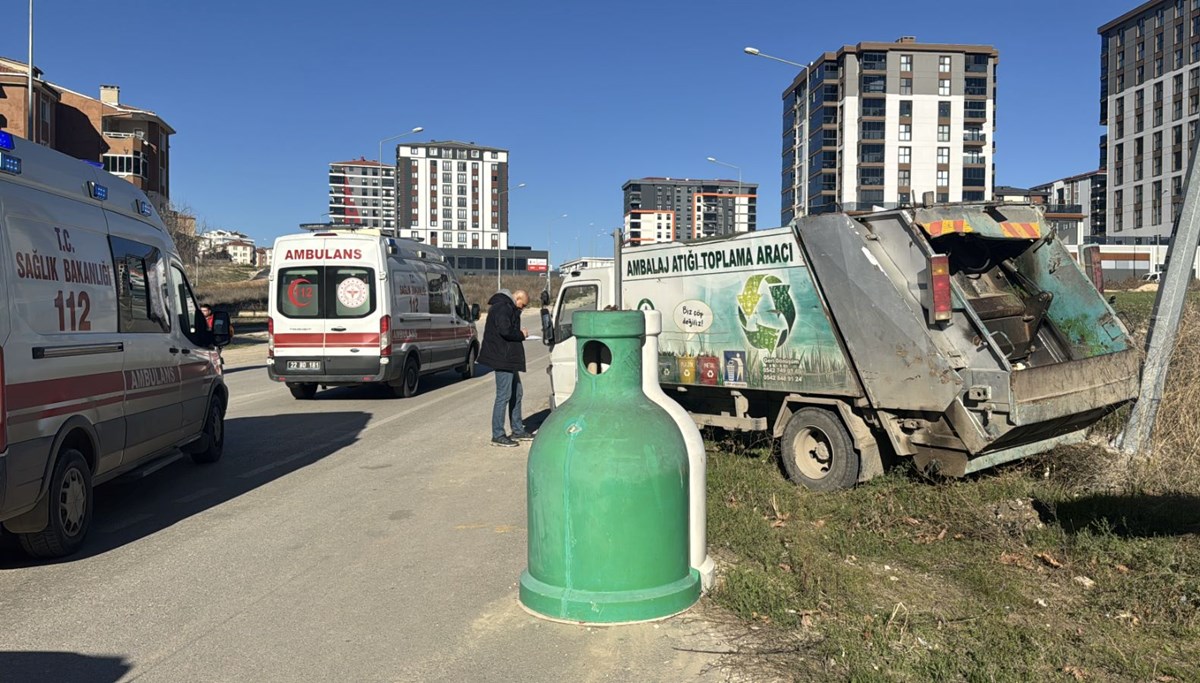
{"x": 221, "y": 331}
{"x": 545, "y": 296}
{"x": 474, "y": 312}
{"x": 547, "y": 328}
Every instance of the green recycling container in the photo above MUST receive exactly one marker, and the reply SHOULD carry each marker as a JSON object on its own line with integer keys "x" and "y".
{"x": 608, "y": 491}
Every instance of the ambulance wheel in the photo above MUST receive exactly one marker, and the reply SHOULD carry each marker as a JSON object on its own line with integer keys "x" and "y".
{"x": 306, "y": 391}
{"x": 468, "y": 371}
{"x": 70, "y": 509}
{"x": 817, "y": 452}
{"x": 214, "y": 435}
{"x": 411, "y": 378}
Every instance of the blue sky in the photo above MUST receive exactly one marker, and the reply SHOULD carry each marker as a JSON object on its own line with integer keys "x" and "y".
{"x": 264, "y": 95}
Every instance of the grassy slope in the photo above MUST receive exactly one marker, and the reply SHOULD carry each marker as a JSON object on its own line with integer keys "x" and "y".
{"x": 1073, "y": 566}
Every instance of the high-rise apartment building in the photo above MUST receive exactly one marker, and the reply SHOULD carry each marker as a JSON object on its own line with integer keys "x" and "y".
{"x": 664, "y": 209}
{"x": 362, "y": 192}
{"x": 1149, "y": 96}
{"x": 453, "y": 195}
{"x": 881, "y": 124}
{"x": 1075, "y": 207}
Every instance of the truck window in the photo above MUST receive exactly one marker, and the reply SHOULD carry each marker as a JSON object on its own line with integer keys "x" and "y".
{"x": 141, "y": 287}
{"x": 573, "y": 298}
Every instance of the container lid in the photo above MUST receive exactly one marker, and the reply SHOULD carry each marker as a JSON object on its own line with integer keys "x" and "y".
{"x": 610, "y": 324}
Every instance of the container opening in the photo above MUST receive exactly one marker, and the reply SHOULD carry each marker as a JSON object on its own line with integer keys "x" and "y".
{"x": 596, "y": 357}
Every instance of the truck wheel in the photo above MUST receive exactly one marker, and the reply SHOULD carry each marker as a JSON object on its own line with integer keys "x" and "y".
{"x": 468, "y": 371}
{"x": 214, "y": 435}
{"x": 411, "y": 378}
{"x": 303, "y": 391}
{"x": 817, "y": 451}
{"x": 70, "y": 509}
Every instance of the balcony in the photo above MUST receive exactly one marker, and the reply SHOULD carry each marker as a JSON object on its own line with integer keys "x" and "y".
{"x": 1059, "y": 210}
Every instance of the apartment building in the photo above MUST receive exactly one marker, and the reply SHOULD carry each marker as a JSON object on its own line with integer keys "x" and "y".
{"x": 241, "y": 252}
{"x": 362, "y": 192}
{"x": 1149, "y": 97}
{"x": 453, "y": 195}
{"x": 880, "y": 124}
{"x": 659, "y": 209}
{"x": 1075, "y": 207}
{"x": 131, "y": 142}
{"x": 215, "y": 241}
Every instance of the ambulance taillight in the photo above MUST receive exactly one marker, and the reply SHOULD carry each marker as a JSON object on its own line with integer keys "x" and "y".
{"x": 270, "y": 337}
{"x": 385, "y": 335}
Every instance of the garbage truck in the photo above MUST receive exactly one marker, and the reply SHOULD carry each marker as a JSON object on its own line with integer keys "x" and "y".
{"x": 961, "y": 336}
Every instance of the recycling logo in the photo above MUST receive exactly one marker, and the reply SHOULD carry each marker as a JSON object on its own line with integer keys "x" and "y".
{"x": 766, "y": 311}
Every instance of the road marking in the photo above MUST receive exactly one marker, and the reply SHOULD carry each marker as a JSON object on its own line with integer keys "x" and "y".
{"x": 237, "y": 398}
{"x": 128, "y": 522}
{"x": 196, "y": 495}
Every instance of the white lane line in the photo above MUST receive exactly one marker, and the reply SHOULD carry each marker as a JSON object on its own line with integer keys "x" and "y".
{"x": 196, "y": 495}
{"x": 125, "y": 523}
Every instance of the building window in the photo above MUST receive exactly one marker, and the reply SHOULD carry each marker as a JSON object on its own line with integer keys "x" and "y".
{"x": 943, "y": 155}
{"x": 905, "y": 155}
{"x": 905, "y": 86}
{"x": 943, "y": 178}
{"x": 944, "y": 64}
{"x": 873, "y": 130}
{"x": 943, "y": 86}
{"x": 904, "y": 178}
{"x": 906, "y": 108}
{"x": 906, "y": 62}
{"x": 944, "y": 110}
{"x": 943, "y": 133}
{"x": 875, "y": 83}
{"x": 905, "y": 132}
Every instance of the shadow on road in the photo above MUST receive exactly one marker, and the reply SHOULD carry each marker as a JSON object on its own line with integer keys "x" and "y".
{"x": 41, "y": 667}
{"x": 429, "y": 384}
{"x": 1129, "y": 516}
{"x": 243, "y": 368}
{"x": 258, "y": 450}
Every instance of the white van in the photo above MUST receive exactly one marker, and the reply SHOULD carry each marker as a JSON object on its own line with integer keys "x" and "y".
{"x": 351, "y": 307}
{"x": 105, "y": 361}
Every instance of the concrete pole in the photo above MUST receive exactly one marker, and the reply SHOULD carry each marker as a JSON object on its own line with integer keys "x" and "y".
{"x": 1164, "y": 325}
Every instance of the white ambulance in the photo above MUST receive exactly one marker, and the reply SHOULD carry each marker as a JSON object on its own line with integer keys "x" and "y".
{"x": 105, "y": 362}
{"x": 351, "y": 307}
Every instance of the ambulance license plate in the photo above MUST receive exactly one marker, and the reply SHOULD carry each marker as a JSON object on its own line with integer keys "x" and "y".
{"x": 304, "y": 365}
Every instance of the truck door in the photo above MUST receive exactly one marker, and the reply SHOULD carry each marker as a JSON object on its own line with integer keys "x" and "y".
{"x": 575, "y": 296}
{"x": 442, "y": 346}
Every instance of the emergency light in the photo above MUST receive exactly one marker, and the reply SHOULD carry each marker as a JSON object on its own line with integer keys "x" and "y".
{"x": 89, "y": 162}
{"x": 143, "y": 207}
{"x": 6, "y": 140}
{"x": 10, "y": 164}
{"x": 97, "y": 191}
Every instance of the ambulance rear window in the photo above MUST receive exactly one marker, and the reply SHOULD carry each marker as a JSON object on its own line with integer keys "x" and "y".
{"x": 300, "y": 292}
{"x": 326, "y": 292}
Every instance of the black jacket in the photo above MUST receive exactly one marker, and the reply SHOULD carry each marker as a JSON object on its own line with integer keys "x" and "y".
{"x": 503, "y": 344}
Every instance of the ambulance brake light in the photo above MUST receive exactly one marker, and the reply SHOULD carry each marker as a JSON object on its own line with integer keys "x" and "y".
{"x": 385, "y": 335}
{"x": 270, "y": 337}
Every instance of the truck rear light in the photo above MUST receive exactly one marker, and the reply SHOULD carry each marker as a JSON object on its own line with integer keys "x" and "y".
{"x": 3, "y": 407}
{"x": 385, "y": 335}
{"x": 270, "y": 337}
{"x": 939, "y": 286}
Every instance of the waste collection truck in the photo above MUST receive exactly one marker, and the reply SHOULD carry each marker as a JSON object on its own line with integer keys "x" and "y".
{"x": 959, "y": 335}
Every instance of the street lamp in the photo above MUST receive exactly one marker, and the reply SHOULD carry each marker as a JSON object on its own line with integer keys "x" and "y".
{"x": 549, "y": 261}
{"x": 754, "y": 51}
{"x": 395, "y": 189}
{"x": 499, "y": 242}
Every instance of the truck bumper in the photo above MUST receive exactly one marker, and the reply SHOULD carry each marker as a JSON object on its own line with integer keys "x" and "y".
{"x": 336, "y": 370}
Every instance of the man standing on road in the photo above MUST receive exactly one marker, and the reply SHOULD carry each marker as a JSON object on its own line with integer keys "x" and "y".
{"x": 504, "y": 351}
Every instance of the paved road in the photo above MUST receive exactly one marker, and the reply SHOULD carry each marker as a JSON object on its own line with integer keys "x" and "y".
{"x": 355, "y": 537}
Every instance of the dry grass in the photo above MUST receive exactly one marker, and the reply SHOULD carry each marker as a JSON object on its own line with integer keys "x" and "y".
{"x": 479, "y": 288}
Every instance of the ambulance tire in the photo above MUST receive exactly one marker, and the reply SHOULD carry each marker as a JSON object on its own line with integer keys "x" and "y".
{"x": 214, "y": 435}
{"x": 468, "y": 371}
{"x": 70, "y": 511}
{"x": 305, "y": 391}
{"x": 817, "y": 452}
{"x": 410, "y": 381}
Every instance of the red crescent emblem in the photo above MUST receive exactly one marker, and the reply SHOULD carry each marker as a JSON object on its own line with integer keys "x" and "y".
{"x": 292, "y": 293}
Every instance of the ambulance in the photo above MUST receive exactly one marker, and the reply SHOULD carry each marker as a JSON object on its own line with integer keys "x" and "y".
{"x": 107, "y": 367}
{"x": 352, "y": 307}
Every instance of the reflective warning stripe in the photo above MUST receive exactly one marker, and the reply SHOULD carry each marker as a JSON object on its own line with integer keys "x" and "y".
{"x": 939, "y": 228}
{"x": 1029, "y": 231}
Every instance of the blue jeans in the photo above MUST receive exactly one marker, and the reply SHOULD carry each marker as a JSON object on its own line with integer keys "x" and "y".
{"x": 508, "y": 393}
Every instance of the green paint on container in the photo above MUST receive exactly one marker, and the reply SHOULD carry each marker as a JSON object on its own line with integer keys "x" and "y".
{"x": 608, "y": 491}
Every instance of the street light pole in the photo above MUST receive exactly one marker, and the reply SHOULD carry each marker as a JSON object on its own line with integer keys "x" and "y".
{"x": 739, "y": 190}
{"x": 499, "y": 242}
{"x": 755, "y": 52}
{"x": 549, "y": 261}
{"x": 395, "y": 188}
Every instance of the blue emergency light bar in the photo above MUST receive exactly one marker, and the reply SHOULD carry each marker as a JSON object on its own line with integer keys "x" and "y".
{"x": 143, "y": 207}
{"x": 97, "y": 190}
{"x": 6, "y": 141}
{"x": 89, "y": 162}
{"x": 10, "y": 164}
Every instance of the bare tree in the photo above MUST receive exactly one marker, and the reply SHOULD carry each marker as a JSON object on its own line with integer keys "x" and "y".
{"x": 180, "y": 221}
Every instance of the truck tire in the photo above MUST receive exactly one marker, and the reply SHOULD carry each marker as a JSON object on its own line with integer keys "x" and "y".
{"x": 304, "y": 391}
{"x": 214, "y": 435}
{"x": 468, "y": 371}
{"x": 817, "y": 452}
{"x": 70, "y": 510}
{"x": 410, "y": 380}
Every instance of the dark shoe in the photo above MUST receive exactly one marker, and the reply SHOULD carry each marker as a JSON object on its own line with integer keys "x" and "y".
{"x": 522, "y": 436}
{"x": 503, "y": 441}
